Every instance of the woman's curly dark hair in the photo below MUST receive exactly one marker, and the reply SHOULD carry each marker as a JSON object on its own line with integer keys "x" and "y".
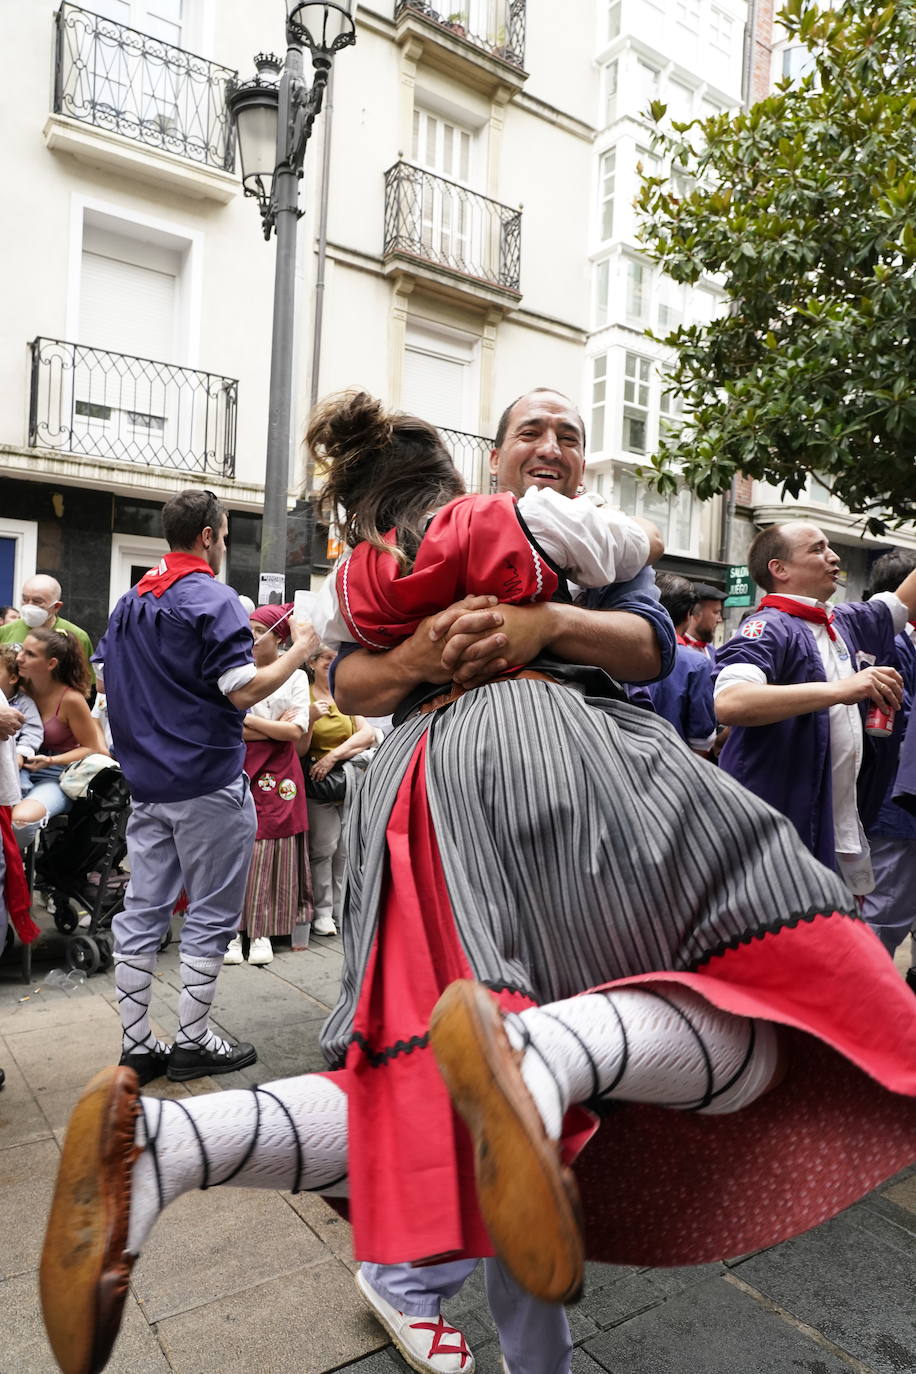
{"x": 384, "y": 470}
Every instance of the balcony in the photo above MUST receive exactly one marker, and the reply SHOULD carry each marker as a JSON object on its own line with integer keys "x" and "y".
{"x": 482, "y": 42}
{"x": 471, "y": 456}
{"x": 102, "y": 405}
{"x": 456, "y": 241}
{"x": 151, "y": 109}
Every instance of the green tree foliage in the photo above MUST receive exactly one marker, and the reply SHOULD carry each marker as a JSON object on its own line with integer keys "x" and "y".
{"x": 803, "y": 207}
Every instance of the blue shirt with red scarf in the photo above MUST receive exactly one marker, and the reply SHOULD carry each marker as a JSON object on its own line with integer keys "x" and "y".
{"x": 176, "y": 735}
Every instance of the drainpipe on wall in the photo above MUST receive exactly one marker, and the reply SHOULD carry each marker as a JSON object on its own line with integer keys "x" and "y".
{"x": 322, "y": 246}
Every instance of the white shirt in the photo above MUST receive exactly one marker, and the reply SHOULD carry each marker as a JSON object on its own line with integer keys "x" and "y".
{"x": 293, "y": 694}
{"x": 594, "y": 545}
{"x": 10, "y": 791}
{"x": 845, "y": 736}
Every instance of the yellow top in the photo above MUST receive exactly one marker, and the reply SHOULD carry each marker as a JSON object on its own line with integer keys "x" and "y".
{"x": 329, "y": 731}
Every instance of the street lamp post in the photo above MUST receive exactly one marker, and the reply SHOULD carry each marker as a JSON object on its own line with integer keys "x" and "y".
{"x": 273, "y": 116}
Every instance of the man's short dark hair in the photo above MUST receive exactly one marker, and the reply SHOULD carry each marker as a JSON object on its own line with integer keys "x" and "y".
{"x": 888, "y": 571}
{"x": 768, "y": 544}
{"x": 188, "y": 513}
{"x": 677, "y": 595}
{"x": 535, "y": 391}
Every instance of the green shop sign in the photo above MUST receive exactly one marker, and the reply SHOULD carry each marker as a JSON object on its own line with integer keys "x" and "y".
{"x": 739, "y": 586}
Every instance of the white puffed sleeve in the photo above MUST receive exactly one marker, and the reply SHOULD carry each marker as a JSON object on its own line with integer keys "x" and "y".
{"x": 327, "y": 620}
{"x": 594, "y": 544}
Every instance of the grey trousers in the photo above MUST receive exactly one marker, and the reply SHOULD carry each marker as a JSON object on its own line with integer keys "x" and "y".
{"x": 533, "y": 1335}
{"x": 204, "y": 846}
{"x": 327, "y": 857}
{"x": 890, "y": 909}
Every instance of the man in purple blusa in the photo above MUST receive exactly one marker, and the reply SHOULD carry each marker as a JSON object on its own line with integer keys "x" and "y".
{"x": 684, "y": 697}
{"x": 179, "y": 676}
{"x": 795, "y": 683}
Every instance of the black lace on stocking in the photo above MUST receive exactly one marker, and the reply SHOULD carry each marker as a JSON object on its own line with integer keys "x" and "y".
{"x": 743, "y": 1066}
{"x": 143, "y": 1007}
{"x": 624, "y": 1053}
{"x": 206, "y": 980}
{"x": 705, "y": 1100}
{"x": 529, "y": 1044}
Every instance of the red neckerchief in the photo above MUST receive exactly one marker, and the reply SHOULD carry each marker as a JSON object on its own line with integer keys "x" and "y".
{"x": 474, "y": 546}
{"x": 692, "y": 643}
{"x": 169, "y": 570}
{"x": 683, "y": 641}
{"x": 819, "y": 614}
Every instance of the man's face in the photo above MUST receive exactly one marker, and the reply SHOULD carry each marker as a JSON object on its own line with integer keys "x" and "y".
{"x": 811, "y": 569}
{"x": 38, "y": 593}
{"x": 706, "y": 617}
{"x": 543, "y": 446}
{"x": 215, "y": 544}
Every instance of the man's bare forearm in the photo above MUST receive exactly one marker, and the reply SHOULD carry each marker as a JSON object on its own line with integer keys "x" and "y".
{"x": 368, "y": 684}
{"x": 625, "y": 645}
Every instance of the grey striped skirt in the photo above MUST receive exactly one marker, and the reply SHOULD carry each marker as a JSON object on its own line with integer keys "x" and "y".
{"x": 581, "y": 843}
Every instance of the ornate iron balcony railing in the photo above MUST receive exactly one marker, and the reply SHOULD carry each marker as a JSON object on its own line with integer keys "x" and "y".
{"x": 497, "y": 26}
{"x": 443, "y": 222}
{"x": 134, "y": 410}
{"x": 133, "y": 84}
{"x": 471, "y": 456}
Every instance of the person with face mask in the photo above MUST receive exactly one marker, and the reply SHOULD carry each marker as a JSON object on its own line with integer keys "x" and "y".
{"x": 39, "y": 609}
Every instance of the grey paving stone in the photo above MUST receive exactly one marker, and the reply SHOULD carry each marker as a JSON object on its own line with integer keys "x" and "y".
{"x": 714, "y": 1328}
{"x": 671, "y": 1281}
{"x": 285, "y": 1051}
{"x": 27, "y": 1174}
{"x": 621, "y": 1300}
{"x": 317, "y": 976}
{"x": 21, "y": 1118}
{"x": 854, "y": 1285}
{"x": 305, "y": 1322}
{"x": 227, "y": 1241}
{"x": 330, "y": 1228}
{"x": 24, "y": 1348}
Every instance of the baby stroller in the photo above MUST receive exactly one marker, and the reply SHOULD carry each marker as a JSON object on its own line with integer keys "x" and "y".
{"x": 78, "y": 869}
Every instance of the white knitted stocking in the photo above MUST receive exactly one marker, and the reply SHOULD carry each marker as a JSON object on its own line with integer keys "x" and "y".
{"x": 669, "y": 1047}
{"x": 291, "y": 1134}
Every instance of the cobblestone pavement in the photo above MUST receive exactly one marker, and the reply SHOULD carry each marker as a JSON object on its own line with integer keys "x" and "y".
{"x": 242, "y": 1281}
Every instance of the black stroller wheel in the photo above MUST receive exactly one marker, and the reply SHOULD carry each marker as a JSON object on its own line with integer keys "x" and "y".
{"x": 65, "y": 918}
{"x": 83, "y": 954}
{"x": 105, "y": 942}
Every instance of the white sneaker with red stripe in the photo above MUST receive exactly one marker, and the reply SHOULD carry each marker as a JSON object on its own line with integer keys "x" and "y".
{"x": 428, "y": 1344}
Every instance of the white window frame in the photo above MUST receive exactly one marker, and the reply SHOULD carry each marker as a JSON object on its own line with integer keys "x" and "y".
{"x": 635, "y": 408}
{"x": 455, "y": 345}
{"x": 721, "y": 31}
{"x": 127, "y": 550}
{"x": 24, "y": 534}
{"x": 189, "y": 243}
{"x": 599, "y": 410}
{"x": 637, "y": 282}
{"x": 687, "y": 15}
{"x": 607, "y": 181}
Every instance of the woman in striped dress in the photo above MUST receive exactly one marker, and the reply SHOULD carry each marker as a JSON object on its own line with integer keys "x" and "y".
{"x": 655, "y": 938}
{"x": 278, "y": 897}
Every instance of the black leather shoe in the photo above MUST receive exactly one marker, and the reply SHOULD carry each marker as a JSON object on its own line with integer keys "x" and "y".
{"x": 185, "y": 1063}
{"x": 911, "y": 978}
{"x": 147, "y": 1067}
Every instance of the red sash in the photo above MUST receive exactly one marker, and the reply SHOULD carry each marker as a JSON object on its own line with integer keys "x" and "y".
{"x": 169, "y": 570}
{"x": 817, "y": 614}
{"x": 15, "y": 888}
{"x": 474, "y": 546}
{"x": 278, "y": 788}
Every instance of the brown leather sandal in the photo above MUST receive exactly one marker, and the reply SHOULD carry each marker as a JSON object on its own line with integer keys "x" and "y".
{"x": 528, "y": 1199}
{"x": 85, "y": 1268}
